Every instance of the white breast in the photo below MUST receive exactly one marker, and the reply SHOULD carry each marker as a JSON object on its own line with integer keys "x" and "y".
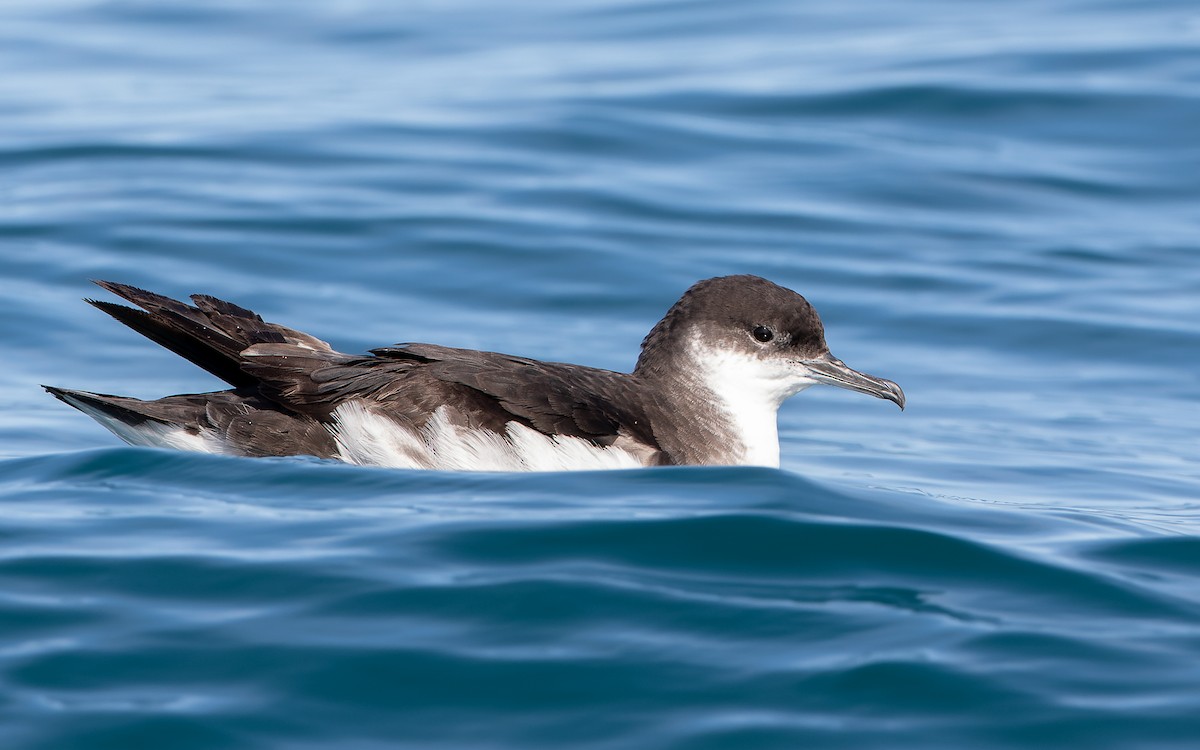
{"x": 368, "y": 437}
{"x": 749, "y": 391}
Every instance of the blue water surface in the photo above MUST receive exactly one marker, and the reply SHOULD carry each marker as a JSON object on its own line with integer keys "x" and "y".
{"x": 996, "y": 205}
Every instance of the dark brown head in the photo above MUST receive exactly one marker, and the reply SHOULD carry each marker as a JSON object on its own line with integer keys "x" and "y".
{"x": 747, "y": 332}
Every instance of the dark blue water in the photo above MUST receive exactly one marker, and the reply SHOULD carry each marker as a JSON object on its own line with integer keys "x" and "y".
{"x": 997, "y": 206}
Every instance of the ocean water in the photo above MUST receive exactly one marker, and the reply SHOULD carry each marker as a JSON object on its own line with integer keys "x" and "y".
{"x": 997, "y": 206}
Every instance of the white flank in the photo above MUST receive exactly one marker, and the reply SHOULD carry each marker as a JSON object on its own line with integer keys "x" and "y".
{"x": 369, "y": 438}
{"x": 750, "y": 390}
{"x": 151, "y": 434}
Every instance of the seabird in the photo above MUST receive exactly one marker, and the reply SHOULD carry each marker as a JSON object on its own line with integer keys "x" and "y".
{"x": 706, "y": 390}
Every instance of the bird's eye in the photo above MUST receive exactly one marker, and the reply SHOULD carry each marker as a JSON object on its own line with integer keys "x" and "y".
{"x": 763, "y": 334}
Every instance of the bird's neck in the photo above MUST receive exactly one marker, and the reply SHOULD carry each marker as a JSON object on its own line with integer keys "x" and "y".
{"x": 726, "y": 401}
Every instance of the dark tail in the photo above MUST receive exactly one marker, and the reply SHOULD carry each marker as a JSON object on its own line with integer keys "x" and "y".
{"x": 212, "y": 334}
{"x": 234, "y": 422}
{"x": 119, "y": 408}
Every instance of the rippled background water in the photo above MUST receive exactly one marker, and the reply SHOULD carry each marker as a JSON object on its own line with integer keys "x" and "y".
{"x": 996, "y": 205}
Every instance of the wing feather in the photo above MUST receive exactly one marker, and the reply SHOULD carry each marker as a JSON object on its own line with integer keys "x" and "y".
{"x": 486, "y": 389}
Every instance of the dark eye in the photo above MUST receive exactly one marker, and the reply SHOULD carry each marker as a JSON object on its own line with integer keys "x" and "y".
{"x": 763, "y": 334}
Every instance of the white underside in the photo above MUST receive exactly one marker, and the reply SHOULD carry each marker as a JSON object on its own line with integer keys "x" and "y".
{"x": 368, "y": 438}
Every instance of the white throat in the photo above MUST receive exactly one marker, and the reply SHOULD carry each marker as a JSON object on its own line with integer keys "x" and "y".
{"x": 749, "y": 390}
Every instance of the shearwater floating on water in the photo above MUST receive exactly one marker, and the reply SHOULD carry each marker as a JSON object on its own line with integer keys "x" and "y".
{"x": 706, "y": 390}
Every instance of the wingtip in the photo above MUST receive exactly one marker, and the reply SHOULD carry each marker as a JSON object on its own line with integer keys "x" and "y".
{"x": 55, "y": 391}
{"x": 112, "y": 287}
{"x": 116, "y": 287}
{"x": 138, "y": 296}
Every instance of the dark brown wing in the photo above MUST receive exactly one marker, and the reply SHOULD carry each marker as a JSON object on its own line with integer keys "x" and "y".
{"x": 302, "y": 374}
{"x": 553, "y": 398}
{"x": 485, "y": 389}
